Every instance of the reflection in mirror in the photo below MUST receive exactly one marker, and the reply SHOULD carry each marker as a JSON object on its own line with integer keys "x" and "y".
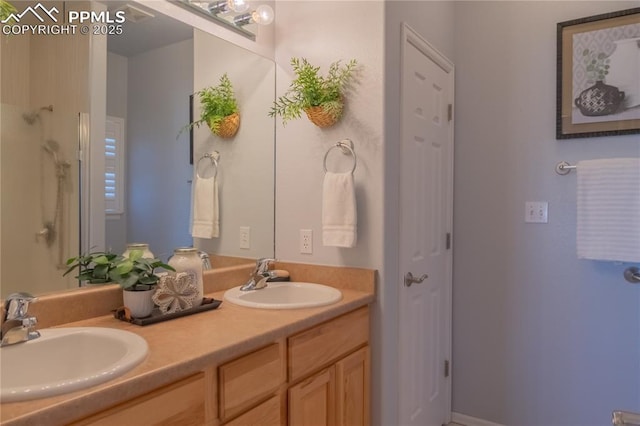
{"x": 149, "y": 79}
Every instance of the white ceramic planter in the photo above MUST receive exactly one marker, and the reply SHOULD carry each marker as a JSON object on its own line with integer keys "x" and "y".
{"x": 140, "y": 303}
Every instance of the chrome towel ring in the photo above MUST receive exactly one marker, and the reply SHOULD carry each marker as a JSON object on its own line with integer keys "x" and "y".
{"x": 346, "y": 146}
{"x": 213, "y": 157}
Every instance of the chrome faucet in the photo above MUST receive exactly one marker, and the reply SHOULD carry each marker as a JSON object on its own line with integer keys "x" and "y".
{"x": 17, "y": 325}
{"x": 259, "y": 276}
{"x": 206, "y": 261}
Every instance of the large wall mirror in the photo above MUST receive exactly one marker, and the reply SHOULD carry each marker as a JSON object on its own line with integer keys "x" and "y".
{"x": 57, "y": 89}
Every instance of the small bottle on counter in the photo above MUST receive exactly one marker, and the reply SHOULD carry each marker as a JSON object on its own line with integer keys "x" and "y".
{"x": 186, "y": 259}
{"x": 144, "y": 247}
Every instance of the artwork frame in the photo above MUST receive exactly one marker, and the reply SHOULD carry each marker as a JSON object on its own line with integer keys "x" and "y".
{"x": 586, "y": 61}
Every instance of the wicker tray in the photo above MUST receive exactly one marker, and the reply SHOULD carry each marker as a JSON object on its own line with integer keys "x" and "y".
{"x": 157, "y": 316}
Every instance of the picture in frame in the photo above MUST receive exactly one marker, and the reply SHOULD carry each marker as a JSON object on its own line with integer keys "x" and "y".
{"x": 598, "y": 75}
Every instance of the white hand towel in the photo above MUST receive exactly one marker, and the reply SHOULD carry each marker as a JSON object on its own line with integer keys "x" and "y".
{"x": 608, "y": 204}
{"x": 339, "y": 215}
{"x": 204, "y": 208}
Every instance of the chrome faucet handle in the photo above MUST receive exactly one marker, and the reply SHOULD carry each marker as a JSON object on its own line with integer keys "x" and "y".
{"x": 262, "y": 264}
{"x": 16, "y": 305}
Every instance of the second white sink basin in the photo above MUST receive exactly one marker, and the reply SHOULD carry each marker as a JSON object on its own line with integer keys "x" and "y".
{"x": 285, "y": 295}
{"x": 67, "y": 359}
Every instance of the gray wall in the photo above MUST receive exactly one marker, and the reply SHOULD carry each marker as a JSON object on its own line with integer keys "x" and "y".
{"x": 540, "y": 337}
{"x": 158, "y": 170}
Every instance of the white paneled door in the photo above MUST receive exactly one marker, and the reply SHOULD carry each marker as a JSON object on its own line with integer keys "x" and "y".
{"x": 426, "y": 181}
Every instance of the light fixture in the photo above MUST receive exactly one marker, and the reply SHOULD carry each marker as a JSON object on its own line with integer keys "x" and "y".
{"x": 263, "y": 15}
{"x": 225, "y": 6}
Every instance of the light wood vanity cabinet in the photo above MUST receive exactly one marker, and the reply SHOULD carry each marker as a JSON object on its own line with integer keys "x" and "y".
{"x": 319, "y": 376}
{"x": 326, "y": 380}
{"x": 250, "y": 379}
{"x": 339, "y": 393}
{"x": 180, "y": 403}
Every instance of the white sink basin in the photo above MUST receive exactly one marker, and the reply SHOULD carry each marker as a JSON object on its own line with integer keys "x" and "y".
{"x": 67, "y": 359}
{"x": 285, "y": 295}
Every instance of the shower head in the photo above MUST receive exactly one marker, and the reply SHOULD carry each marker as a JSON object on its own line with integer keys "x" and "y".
{"x": 31, "y": 117}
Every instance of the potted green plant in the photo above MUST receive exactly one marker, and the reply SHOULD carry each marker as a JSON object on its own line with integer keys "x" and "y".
{"x": 6, "y": 9}
{"x": 94, "y": 267}
{"x": 320, "y": 97}
{"x": 134, "y": 273}
{"x": 219, "y": 109}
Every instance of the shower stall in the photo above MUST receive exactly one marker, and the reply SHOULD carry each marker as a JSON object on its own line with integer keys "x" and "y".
{"x": 39, "y": 204}
{"x": 46, "y": 101}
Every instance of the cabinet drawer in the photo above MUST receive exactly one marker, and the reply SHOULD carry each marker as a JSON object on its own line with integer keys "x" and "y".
{"x": 246, "y": 380}
{"x": 319, "y": 346}
{"x": 269, "y": 413}
{"x": 181, "y": 403}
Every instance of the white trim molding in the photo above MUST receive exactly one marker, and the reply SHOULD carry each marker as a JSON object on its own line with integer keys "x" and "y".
{"x": 465, "y": 420}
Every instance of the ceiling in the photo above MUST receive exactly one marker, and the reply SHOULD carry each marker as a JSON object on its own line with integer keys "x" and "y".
{"x": 141, "y": 35}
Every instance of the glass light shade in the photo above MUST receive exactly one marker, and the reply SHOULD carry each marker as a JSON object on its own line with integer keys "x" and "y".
{"x": 238, "y": 6}
{"x": 263, "y": 15}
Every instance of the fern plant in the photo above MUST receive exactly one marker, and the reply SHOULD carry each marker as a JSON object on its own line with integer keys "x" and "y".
{"x": 311, "y": 89}
{"x": 6, "y": 9}
{"x": 217, "y": 102}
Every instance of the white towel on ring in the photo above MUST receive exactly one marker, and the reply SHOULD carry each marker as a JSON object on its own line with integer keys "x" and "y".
{"x": 339, "y": 213}
{"x": 608, "y": 207}
{"x": 205, "y": 222}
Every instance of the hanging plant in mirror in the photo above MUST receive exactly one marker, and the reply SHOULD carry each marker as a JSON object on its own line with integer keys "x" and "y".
{"x": 320, "y": 97}
{"x": 218, "y": 109}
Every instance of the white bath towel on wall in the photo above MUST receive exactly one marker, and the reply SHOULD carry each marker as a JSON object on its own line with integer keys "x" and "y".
{"x": 608, "y": 204}
{"x": 205, "y": 222}
{"x": 339, "y": 213}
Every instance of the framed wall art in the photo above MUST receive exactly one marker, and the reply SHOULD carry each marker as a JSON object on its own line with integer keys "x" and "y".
{"x": 598, "y": 75}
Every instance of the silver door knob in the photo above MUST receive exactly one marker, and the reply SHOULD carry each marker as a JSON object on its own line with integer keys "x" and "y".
{"x": 410, "y": 279}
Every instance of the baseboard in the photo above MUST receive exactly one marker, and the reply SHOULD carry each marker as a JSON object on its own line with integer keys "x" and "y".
{"x": 465, "y": 420}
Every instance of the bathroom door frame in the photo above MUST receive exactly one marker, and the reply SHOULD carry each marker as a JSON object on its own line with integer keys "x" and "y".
{"x": 432, "y": 299}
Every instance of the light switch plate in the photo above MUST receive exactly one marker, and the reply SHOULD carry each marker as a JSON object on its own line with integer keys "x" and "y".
{"x": 536, "y": 212}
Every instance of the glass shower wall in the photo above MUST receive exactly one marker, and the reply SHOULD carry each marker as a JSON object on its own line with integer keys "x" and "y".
{"x": 39, "y": 198}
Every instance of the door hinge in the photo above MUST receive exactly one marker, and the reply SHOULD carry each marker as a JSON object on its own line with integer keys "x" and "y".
{"x": 450, "y": 112}
{"x": 448, "y": 243}
{"x": 446, "y": 368}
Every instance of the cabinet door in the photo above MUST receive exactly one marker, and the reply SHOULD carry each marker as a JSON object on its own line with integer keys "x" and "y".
{"x": 312, "y": 402}
{"x": 352, "y": 389}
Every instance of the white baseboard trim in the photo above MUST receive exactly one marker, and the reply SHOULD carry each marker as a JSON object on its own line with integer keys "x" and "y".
{"x": 465, "y": 420}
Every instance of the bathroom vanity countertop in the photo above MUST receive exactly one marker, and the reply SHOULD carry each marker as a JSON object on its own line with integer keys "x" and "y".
{"x": 177, "y": 349}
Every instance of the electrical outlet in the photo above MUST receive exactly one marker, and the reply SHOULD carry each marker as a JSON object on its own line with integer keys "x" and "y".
{"x": 245, "y": 237}
{"x": 306, "y": 241}
{"x": 536, "y": 212}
